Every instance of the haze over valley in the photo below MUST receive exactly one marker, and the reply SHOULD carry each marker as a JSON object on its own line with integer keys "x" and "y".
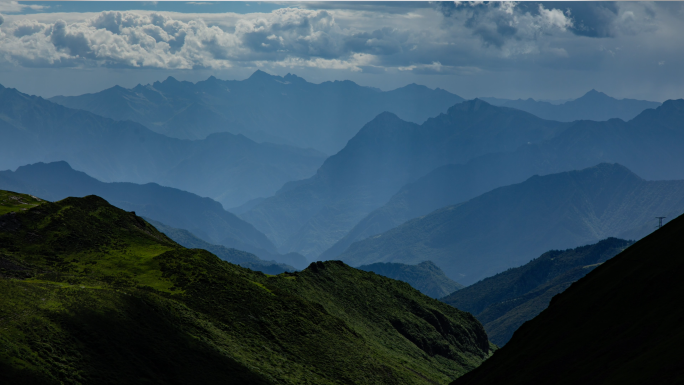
{"x": 341, "y": 193}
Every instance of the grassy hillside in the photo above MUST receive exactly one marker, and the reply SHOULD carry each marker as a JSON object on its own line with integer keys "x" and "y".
{"x": 425, "y": 276}
{"x": 13, "y": 202}
{"x": 202, "y": 216}
{"x": 236, "y": 257}
{"x": 505, "y": 301}
{"x": 93, "y": 294}
{"x": 620, "y": 324}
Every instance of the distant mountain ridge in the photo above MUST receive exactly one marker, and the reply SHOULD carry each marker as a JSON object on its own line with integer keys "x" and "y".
{"x": 649, "y": 145}
{"x": 505, "y": 301}
{"x": 309, "y": 216}
{"x": 201, "y": 216}
{"x": 593, "y": 105}
{"x": 287, "y": 110}
{"x": 510, "y": 225}
{"x": 231, "y": 169}
{"x": 425, "y": 277}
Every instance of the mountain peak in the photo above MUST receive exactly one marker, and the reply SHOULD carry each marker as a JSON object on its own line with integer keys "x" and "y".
{"x": 115, "y": 89}
{"x": 594, "y": 95}
{"x": 386, "y": 117}
{"x": 259, "y": 74}
{"x": 292, "y": 78}
{"x": 58, "y": 165}
{"x": 673, "y": 104}
{"x": 612, "y": 168}
{"x": 472, "y": 106}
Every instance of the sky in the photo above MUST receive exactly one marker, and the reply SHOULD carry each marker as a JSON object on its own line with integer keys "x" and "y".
{"x": 542, "y": 50}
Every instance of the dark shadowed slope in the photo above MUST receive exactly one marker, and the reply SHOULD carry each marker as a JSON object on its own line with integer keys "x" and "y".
{"x": 593, "y": 105}
{"x": 93, "y": 294}
{"x": 621, "y": 324}
{"x": 287, "y": 110}
{"x": 225, "y": 167}
{"x": 649, "y": 145}
{"x": 505, "y": 301}
{"x": 425, "y": 276}
{"x": 309, "y": 216}
{"x": 509, "y": 226}
{"x": 201, "y": 216}
{"x": 234, "y": 256}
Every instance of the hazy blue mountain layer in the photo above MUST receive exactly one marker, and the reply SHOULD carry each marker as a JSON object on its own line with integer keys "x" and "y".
{"x": 593, "y": 105}
{"x": 425, "y": 276}
{"x": 509, "y": 226}
{"x": 225, "y": 167}
{"x": 621, "y": 324}
{"x": 236, "y": 257}
{"x": 93, "y": 294}
{"x": 649, "y": 145}
{"x": 201, "y": 216}
{"x": 286, "y": 110}
{"x": 507, "y": 300}
{"x": 309, "y": 216}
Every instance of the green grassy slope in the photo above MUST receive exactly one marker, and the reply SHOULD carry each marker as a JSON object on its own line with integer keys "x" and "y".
{"x": 92, "y": 294}
{"x": 620, "y": 324}
{"x": 234, "y": 256}
{"x": 505, "y": 301}
{"x": 425, "y": 276}
{"x": 203, "y": 217}
{"x": 13, "y": 202}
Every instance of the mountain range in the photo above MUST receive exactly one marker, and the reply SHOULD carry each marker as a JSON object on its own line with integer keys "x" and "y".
{"x": 285, "y": 110}
{"x": 425, "y": 277}
{"x": 593, "y": 105}
{"x": 90, "y": 293}
{"x": 225, "y": 167}
{"x": 510, "y": 225}
{"x": 647, "y": 145}
{"x": 620, "y": 324}
{"x": 310, "y": 215}
{"x": 203, "y": 217}
{"x": 506, "y": 300}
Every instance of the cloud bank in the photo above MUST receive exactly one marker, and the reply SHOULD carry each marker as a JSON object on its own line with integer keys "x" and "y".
{"x": 362, "y": 36}
{"x": 132, "y": 39}
{"x": 479, "y": 43}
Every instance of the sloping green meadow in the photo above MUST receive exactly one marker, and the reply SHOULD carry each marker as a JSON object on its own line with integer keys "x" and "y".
{"x": 12, "y": 202}
{"x": 92, "y": 294}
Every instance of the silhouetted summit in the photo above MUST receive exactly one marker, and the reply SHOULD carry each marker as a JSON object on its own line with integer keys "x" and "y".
{"x": 620, "y": 324}
{"x": 593, "y": 105}
{"x": 265, "y": 108}
{"x": 36, "y": 130}
{"x": 311, "y": 215}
